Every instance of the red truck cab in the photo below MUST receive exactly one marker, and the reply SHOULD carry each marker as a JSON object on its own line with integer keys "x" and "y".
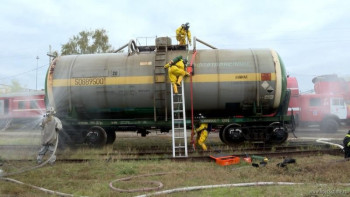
{"x": 327, "y": 107}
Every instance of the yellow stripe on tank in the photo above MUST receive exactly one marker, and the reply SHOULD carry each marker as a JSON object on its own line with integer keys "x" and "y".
{"x": 130, "y": 80}
{"x": 230, "y": 77}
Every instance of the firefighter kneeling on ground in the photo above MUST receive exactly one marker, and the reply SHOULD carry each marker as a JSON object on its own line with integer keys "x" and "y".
{"x": 202, "y": 133}
{"x": 346, "y": 143}
{"x": 176, "y": 71}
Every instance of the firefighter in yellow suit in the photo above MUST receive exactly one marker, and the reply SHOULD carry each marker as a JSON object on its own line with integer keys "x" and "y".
{"x": 176, "y": 71}
{"x": 202, "y": 135}
{"x": 182, "y": 32}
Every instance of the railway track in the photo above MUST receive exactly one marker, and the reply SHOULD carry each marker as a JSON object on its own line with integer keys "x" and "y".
{"x": 19, "y": 147}
{"x": 199, "y": 158}
{"x": 167, "y": 149}
{"x": 215, "y": 151}
{"x": 165, "y": 152}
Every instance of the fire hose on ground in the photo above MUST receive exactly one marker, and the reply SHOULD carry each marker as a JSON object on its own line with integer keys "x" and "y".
{"x": 194, "y": 188}
{"x": 4, "y": 176}
{"x": 32, "y": 168}
{"x": 321, "y": 140}
{"x": 159, "y": 184}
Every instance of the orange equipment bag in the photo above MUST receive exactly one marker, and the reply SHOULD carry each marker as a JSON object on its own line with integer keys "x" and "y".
{"x": 226, "y": 160}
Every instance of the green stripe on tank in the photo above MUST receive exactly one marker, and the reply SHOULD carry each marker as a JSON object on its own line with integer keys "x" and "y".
{"x": 284, "y": 78}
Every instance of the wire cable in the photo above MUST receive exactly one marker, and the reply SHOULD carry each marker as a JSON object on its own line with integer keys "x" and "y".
{"x": 23, "y": 72}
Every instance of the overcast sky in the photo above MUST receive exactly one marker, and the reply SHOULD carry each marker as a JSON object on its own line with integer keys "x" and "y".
{"x": 312, "y": 37}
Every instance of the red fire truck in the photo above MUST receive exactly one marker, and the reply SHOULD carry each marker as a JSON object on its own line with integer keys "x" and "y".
{"x": 328, "y": 107}
{"x": 21, "y": 106}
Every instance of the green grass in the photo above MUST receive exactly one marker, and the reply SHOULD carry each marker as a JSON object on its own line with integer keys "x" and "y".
{"x": 320, "y": 173}
{"x": 92, "y": 178}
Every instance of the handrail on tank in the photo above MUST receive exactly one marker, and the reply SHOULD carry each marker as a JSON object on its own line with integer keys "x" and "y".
{"x": 132, "y": 48}
{"x": 146, "y": 39}
{"x": 206, "y": 44}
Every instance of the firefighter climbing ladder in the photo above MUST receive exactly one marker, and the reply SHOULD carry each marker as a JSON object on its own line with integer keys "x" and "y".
{"x": 160, "y": 98}
{"x": 178, "y": 116}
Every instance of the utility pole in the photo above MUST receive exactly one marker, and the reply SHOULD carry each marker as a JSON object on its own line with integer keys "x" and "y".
{"x": 50, "y": 55}
{"x": 36, "y": 78}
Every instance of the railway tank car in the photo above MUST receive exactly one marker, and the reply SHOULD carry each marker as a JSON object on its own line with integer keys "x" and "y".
{"x": 241, "y": 92}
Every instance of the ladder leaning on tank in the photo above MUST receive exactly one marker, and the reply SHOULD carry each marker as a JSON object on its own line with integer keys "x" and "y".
{"x": 160, "y": 96}
{"x": 178, "y": 117}
{"x": 178, "y": 112}
{"x": 179, "y": 135}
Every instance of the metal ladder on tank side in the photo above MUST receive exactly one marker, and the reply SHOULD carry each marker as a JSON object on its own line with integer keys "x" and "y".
{"x": 159, "y": 94}
{"x": 178, "y": 116}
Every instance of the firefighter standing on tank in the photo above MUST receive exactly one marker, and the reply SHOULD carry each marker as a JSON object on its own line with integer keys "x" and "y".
{"x": 346, "y": 143}
{"x": 182, "y": 32}
{"x": 176, "y": 71}
{"x": 50, "y": 126}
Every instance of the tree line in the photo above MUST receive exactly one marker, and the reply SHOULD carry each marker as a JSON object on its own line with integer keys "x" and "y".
{"x": 85, "y": 42}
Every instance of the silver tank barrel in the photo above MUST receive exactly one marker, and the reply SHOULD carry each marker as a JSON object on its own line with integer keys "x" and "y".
{"x": 230, "y": 80}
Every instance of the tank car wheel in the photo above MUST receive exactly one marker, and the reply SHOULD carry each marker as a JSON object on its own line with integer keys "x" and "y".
{"x": 232, "y": 134}
{"x": 221, "y": 134}
{"x": 143, "y": 132}
{"x": 96, "y": 136}
{"x": 164, "y": 130}
{"x": 329, "y": 126}
{"x": 279, "y": 135}
{"x": 111, "y": 136}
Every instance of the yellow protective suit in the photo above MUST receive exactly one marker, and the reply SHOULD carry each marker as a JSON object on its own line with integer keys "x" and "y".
{"x": 181, "y": 35}
{"x": 202, "y": 135}
{"x": 176, "y": 73}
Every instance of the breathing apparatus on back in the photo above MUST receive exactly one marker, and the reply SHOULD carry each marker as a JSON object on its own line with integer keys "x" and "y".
{"x": 185, "y": 61}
